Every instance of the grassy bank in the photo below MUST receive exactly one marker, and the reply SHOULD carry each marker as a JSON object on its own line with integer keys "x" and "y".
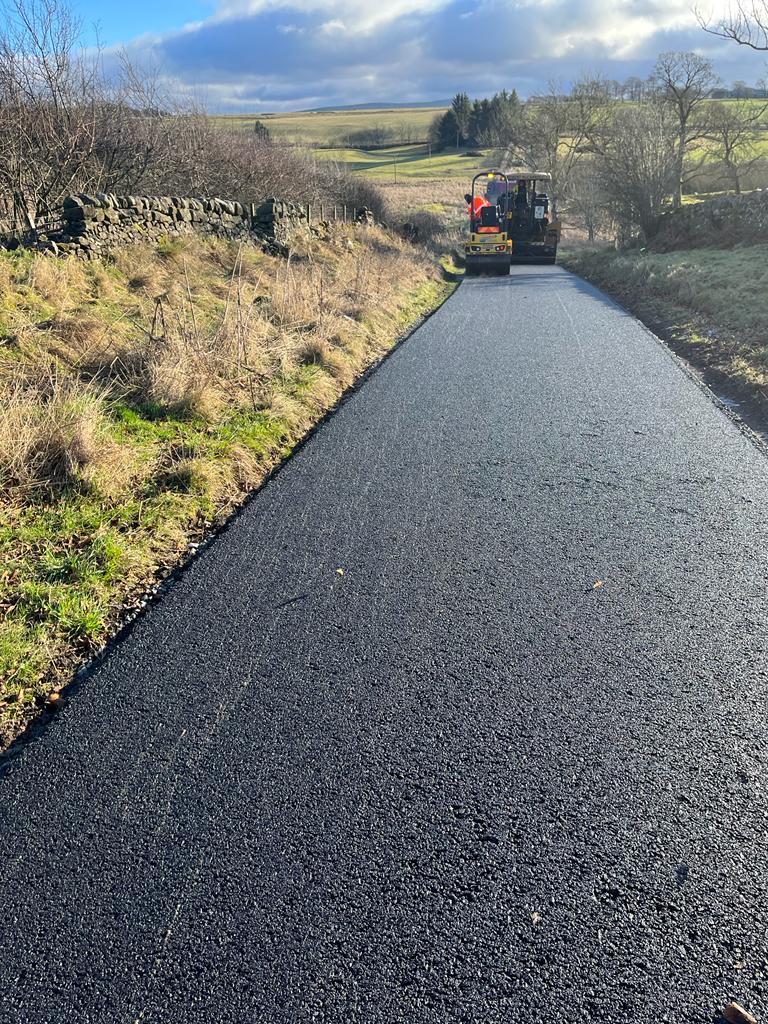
{"x": 142, "y": 399}
{"x": 712, "y": 302}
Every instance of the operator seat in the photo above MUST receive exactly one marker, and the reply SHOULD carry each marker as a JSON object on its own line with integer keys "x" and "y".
{"x": 489, "y": 219}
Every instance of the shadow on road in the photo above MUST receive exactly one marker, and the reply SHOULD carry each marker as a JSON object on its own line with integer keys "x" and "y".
{"x": 546, "y": 277}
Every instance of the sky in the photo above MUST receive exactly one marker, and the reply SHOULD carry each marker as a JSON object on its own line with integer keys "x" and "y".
{"x": 270, "y": 55}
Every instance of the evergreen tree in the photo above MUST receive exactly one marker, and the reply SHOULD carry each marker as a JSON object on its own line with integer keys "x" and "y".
{"x": 462, "y": 111}
{"x": 444, "y": 130}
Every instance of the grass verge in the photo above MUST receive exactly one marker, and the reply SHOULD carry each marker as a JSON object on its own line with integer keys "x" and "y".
{"x": 708, "y": 303}
{"x": 142, "y": 399}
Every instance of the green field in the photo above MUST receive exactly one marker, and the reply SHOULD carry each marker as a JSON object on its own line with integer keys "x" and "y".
{"x": 399, "y": 162}
{"x": 406, "y": 128}
{"x": 325, "y": 127}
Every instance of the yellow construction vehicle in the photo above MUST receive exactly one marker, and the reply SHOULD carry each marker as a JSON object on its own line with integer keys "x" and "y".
{"x": 530, "y": 219}
{"x": 488, "y": 249}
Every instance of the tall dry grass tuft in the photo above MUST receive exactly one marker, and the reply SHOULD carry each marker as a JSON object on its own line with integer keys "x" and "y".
{"x": 192, "y": 360}
{"x": 57, "y": 282}
{"x": 52, "y": 433}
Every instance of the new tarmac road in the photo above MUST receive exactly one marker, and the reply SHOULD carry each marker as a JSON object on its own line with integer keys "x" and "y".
{"x": 463, "y": 719}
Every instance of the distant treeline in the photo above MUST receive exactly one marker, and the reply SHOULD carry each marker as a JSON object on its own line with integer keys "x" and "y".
{"x": 741, "y": 91}
{"x": 486, "y": 122}
{"x": 379, "y": 136}
{"x": 620, "y": 154}
{"x": 495, "y": 121}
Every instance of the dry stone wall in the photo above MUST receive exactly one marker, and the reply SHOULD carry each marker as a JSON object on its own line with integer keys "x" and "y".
{"x": 721, "y": 222}
{"x": 94, "y": 224}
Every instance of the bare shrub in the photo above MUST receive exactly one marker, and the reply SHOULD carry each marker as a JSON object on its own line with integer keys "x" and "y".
{"x": 639, "y": 166}
{"x": 432, "y": 230}
{"x": 49, "y": 91}
{"x": 65, "y": 127}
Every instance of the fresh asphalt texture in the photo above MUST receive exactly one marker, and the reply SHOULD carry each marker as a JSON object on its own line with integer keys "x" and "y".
{"x": 460, "y": 782}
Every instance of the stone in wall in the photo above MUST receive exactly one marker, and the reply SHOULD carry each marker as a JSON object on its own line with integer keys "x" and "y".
{"x": 92, "y": 225}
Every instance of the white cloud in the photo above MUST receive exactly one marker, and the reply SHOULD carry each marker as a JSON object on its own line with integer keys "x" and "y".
{"x": 359, "y": 15}
{"x": 293, "y": 53}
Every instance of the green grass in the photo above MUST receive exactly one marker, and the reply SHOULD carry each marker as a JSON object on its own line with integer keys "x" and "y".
{"x": 404, "y": 162}
{"x": 334, "y": 126}
{"x": 63, "y": 563}
{"x": 759, "y": 140}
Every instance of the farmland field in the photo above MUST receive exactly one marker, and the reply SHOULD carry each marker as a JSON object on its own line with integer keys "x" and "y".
{"x": 328, "y": 127}
{"x": 405, "y": 128}
{"x": 397, "y": 162}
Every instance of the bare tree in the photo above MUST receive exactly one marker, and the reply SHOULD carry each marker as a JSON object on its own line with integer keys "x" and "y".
{"x": 48, "y": 101}
{"x": 746, "y": 23}
{"x": 66, "y": 127}
{"x": 559, "y": 128}
{"x": 732, "y": 128}
{"x": 638, "y": 166}
{"x": 138, "y": 124}
{"x": 587, "y": 206}
{"x": 684, "y": 82}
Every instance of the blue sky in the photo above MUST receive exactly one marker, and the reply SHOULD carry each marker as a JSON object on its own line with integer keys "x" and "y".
{"x": 120, "y": 22}
{"x": 251, "y": 55}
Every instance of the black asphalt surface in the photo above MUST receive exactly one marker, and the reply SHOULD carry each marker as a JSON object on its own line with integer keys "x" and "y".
{"x": 459, "y": 782}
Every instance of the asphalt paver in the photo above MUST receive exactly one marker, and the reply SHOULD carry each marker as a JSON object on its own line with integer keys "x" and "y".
{"x": 462, "y": 719}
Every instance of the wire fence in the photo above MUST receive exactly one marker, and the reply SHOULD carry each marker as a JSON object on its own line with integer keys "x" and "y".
{"x": 333, "y": 212}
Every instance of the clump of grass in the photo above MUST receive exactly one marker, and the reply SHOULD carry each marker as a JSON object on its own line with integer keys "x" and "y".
{"x": 314, "y": 350}
{"x": 172, "y": 248}
{"x": 191, "y": 475}
{"x": 52, "y": 433}
{"x": 56, "y": 281}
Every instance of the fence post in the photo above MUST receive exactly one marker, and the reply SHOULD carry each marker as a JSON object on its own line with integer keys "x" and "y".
{"x": 345, "y": 213}
{"x": 309, "y": 213}
{"x": 334, "y": 213}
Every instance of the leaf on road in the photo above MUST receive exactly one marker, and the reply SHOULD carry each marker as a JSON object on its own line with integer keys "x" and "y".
{"x": 597, "y": 584}
{"x": 340, "y": 572}
{"x": 535, "y": 918}
{"x": 736, "y": 1014}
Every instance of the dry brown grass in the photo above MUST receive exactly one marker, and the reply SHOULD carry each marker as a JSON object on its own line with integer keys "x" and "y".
{"x": 52, "y": 433}
{"x": 407, "y": 196}
{"x": 201, "y": 326}
{"x": 56, "y": 282}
